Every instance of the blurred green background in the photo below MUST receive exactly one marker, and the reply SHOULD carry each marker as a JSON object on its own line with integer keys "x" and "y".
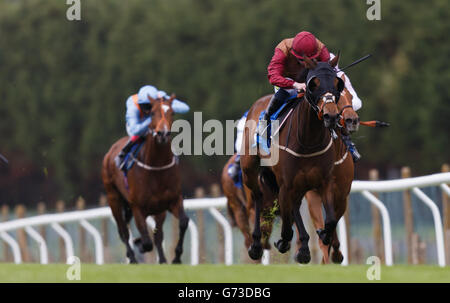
{"x": 63, "y": 84}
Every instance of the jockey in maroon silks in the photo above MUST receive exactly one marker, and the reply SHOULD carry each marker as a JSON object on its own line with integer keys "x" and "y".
{"x": 287, "y": 72}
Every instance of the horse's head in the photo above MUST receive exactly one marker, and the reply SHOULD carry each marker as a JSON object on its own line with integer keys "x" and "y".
{"x": 323, "y": 89}
{"x": 162, "y": 118}
{"x": 350, "y": 118}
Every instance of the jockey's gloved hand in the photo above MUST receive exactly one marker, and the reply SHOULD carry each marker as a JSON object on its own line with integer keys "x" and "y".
{"x": 299, "y": 86}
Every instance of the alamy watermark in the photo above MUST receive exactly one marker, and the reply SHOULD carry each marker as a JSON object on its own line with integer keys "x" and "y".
{"x": 220, "y": 138}
{"x": 74, "y": 271}
{"x": 74, "y": 11}
{"x": 374, "y": 271}
{"x": 374, "y": 11}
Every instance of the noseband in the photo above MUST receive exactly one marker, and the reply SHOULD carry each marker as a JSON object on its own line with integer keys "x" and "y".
{"x": 326, "y": 98}
{"x": 163, "y": 118}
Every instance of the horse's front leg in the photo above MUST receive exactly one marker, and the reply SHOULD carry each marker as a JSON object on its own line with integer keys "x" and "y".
{"x": 255, "y": 251}
{"x": 159, "y": 219}
{"x": 284, "y": 244}
{"x": 183, "y": 222}
{"x": 315, "y": 212}
{"x": 330, "y": 216}
{"x": 303, "y": 255}
{"x": 144, "y": 243}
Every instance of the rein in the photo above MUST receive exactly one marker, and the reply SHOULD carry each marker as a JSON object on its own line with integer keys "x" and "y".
{"x": 163, "y": 115}
{"x": 326, "y": 99}
{"x": 153, "y": 133}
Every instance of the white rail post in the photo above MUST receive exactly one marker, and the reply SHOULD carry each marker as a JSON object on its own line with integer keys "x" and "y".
{"x": 343, "y": 240}
{"x": 97, "y": 240}
{"x": 437, "y": 224}
{"x": 43, "y": 251}
{"x": 194, "y": 242}
{"x": 14, "y": 246}
{"x": 68, "y": 243}
{"x": 386, "y": 225}
{"x": 228, "y": 234}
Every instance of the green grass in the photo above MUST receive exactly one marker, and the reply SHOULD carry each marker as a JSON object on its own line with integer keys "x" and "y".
{"x": 91, "y": 273}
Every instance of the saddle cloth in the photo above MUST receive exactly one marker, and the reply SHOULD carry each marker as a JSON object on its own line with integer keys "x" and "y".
{"x": 128, "y": 161}
{"x": 263, "y": 140}
{"x": 238, "y": 181}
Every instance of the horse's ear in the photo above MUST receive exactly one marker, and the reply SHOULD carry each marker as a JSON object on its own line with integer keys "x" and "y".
{"x": 335, "y": 60}
{"x": 310, "y": 64}
{"x": 172, "y": 97}
{"x": 152, "y": 101}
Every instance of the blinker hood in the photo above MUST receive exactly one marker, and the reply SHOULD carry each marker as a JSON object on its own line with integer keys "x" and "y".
{"x": 326, "y": 75}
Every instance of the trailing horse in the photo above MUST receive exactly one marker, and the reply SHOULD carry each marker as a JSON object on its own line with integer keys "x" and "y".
{"x": 152, "y": 186}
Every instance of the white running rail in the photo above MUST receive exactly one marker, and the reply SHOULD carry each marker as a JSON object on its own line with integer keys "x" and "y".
{"x": 212, "y": 204}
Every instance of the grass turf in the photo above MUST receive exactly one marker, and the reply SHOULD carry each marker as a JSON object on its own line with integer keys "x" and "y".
{"x": 111, "y": 273}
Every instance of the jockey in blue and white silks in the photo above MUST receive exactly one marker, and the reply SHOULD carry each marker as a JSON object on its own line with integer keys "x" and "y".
{"x": 234, "y": 169}
{"x": 138, "y": 116}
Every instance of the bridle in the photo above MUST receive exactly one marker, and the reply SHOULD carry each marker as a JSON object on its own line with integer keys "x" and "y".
{"x": 153, "y": 133}
{"x": 327, "y": 98}
{"x": 163, "y": 119}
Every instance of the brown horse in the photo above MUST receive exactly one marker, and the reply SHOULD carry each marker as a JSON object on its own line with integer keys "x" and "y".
{"x": 154, "y": 185}
{"x": 342, "y": 174}
{"x": 241, "y": 213}
{"x": 304, "y": 166}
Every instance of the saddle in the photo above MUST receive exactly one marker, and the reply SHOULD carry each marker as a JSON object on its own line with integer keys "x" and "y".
{"x": 128, "y": 161}
{"x": 238, "y": 179}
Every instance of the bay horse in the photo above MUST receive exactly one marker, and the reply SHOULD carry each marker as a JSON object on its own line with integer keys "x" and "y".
{"x": 343, "y": 176}
{"x": 306, "y": 165}
{"x": 152, "y": 186}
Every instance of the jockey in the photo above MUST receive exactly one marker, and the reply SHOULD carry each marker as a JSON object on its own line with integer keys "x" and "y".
{"x": 287, "y": 72}
{"x": 138, "y": 117}
{"x": 235, "y": 167}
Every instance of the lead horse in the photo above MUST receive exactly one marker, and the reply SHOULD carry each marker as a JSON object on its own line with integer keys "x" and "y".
{"x": 307, "y": 164}
{"x": 342, "y": 174}
{"x": 152, "y": 185}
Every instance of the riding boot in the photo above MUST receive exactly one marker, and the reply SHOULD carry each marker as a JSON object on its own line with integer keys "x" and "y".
{"x": 234, "y": 169}
{"x": 275, "y": 103}
{"x": 277, "y": 100}
{"x": 125, "y": 150}
{"x": 351, "y": 146}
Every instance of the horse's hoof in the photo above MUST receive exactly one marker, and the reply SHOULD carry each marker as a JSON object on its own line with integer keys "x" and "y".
{"x": 303, "y": 256}
{"x": 282, "y": 246}
{"x": 255, "y": 251}
{"x": 176, "y": 261}
{"x": 132, "y": 260}
{"x": 337, "y": 257}
{"x": 143, "y": 246}
{"x": 147, "y": 247}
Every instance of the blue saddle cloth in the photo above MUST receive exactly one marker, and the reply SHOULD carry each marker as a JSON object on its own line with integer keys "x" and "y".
{"x": 238, "y": 182}
{"x": 264, "y": 143}
{"x": 128, "y": 160}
